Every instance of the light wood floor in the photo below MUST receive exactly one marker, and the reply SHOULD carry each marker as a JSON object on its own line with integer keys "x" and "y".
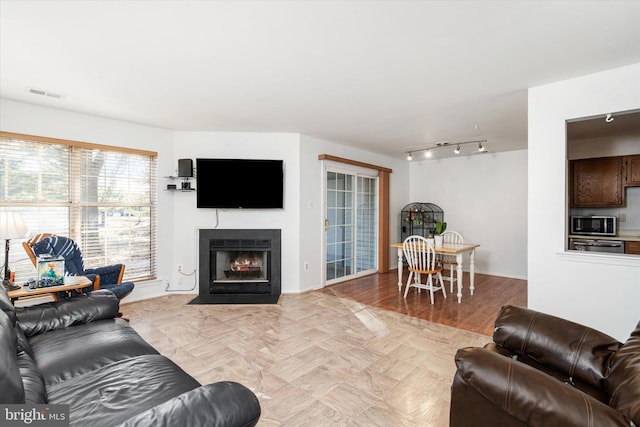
{"x": 322, "y": 358}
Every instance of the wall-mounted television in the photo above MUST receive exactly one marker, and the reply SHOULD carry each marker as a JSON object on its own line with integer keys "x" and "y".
{"x": 239, "y": 183}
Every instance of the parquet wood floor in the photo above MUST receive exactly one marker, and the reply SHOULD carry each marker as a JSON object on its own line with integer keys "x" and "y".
{"x": 475, "y": 313}
{"x": 313, "y": 359}
{"x": 352, "y": 354}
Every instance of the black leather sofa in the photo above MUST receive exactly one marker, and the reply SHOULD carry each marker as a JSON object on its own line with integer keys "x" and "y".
{"x": 76, "y": 352}
{"x": 542, "y": 370}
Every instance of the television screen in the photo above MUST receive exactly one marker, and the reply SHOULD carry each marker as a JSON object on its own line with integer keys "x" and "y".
{"x": 239, "y": 183}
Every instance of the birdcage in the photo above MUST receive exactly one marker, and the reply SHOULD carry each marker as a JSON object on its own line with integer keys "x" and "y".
{"x": 420, "y": 219}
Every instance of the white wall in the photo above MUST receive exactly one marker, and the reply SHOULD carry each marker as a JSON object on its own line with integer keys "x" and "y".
{"x": 188, "y": 219}
{"x": 601, "y": 291}
{"x": 30, "y": 119}
{"x": 484, "y": 197}
{"x": 178, "y": 217}
{"x": 311, "y": 215}
{"x": 618, "y": 145}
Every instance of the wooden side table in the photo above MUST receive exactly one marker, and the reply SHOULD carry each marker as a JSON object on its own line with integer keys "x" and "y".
{"x": 24, "y": 292}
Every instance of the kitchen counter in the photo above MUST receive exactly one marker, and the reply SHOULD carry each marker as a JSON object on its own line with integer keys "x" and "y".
{"x": 624, "y": 235}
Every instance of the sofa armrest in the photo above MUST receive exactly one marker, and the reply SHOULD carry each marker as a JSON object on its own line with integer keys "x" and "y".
{"x": 573, "y": 349}
{"x": 41, "y": 318}
{"x": 221, "y": 404}
{"x": 528, "y": 395}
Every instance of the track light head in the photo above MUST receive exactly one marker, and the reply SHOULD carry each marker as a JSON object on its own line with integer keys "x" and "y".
{"x": 428, "y": 154}
{"x": 457, "y": 150}
{"x": 481, "y": 147}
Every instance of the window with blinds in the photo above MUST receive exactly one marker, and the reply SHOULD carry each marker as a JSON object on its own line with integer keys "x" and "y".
{"x": 103, "y": 197}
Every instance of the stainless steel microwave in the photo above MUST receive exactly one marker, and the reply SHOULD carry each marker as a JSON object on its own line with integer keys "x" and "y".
{"x": 594, "y": 225}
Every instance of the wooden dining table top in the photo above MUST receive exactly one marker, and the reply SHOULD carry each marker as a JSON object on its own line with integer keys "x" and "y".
{"x": 447, "y": 248}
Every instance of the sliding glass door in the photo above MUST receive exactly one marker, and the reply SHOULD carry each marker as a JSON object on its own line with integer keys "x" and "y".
{"x": 351, "y": 225}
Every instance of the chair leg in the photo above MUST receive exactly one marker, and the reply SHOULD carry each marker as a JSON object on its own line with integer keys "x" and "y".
{"x": 442, "y": 285}
{"x": 120, "y": 316}
{"x": 430, "y": 281}
{"x": 406, "y": 289}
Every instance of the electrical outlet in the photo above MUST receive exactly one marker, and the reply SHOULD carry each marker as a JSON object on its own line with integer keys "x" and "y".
{"x": 622, "y": 217}
{"x": 180, "y": 268}
{"x": 306, "y": 265}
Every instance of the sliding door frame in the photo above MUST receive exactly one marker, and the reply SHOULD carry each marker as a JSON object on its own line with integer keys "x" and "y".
{"x": 383, "y": 207}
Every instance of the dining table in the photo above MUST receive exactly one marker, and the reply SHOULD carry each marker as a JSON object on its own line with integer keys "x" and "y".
{"x": 457, "y": 249}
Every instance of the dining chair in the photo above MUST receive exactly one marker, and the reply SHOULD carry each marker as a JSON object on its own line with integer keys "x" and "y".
{"x": 450, "y": 261}
{"x": 421, "y": 260}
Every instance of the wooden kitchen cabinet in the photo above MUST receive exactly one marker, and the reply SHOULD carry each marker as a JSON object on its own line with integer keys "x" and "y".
{"x": 632, "y": 171}
{"x": 632, "y": 248}
{"x": 597, "y": 182}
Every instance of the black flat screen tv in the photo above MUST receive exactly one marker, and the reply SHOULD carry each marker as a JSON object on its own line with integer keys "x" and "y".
{"x": 239, "y": 183}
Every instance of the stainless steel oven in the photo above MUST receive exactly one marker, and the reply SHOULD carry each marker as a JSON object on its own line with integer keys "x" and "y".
{"x": 597, "y": 245}
{"x": 594, "y": 225}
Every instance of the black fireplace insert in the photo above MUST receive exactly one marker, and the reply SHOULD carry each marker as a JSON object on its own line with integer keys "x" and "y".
{"x": 239, "y": 266}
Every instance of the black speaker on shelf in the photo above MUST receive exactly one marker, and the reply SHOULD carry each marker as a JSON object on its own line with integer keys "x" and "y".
{"x": 185, "y": 168}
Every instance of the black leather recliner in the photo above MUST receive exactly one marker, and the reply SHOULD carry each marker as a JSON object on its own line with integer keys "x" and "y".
{"x": 75, "y": 352}
{"x": 544, "y": 371}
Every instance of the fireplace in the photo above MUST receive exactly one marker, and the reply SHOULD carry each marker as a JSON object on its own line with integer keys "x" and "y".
{"x": 239, "y": 266}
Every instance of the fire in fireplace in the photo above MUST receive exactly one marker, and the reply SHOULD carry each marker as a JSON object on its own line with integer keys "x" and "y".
{"x": 242, "y": 265}
{"x": 239, "y": 266}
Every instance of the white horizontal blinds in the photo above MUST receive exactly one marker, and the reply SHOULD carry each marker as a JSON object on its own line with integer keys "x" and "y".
{"x": 34, "y": 181}
{"x": 115, "y": 209}
{"x": 102, "y": 197}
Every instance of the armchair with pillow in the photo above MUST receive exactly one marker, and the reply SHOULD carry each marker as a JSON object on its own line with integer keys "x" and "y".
{"x": 108, "y": 277}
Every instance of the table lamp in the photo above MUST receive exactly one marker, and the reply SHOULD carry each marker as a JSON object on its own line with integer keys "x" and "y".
{"x": 11, "y": 227}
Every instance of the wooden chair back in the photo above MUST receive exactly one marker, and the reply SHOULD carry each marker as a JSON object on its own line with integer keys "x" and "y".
{"x": 419, "y": 254}
{"x": 28, "y": 245}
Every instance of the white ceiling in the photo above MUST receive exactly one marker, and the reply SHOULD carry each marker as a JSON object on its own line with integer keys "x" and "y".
{"x": 387, "y": 76}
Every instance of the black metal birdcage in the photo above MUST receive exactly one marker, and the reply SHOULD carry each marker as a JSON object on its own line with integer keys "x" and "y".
{"x": 420, "y": 219}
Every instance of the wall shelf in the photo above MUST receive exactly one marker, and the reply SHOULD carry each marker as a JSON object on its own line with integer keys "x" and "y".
{"x": 181, "y": 187}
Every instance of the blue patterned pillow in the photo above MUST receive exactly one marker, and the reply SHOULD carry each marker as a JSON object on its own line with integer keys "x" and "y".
{"x": 64, "y": 247}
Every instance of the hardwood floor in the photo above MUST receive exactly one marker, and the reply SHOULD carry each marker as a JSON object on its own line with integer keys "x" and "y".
{"x": 475, "y": 313}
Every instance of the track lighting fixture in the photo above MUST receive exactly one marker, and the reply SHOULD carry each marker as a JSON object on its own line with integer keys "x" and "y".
{"x": 428, "y": 152}
{"x": 609, "y": 118}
